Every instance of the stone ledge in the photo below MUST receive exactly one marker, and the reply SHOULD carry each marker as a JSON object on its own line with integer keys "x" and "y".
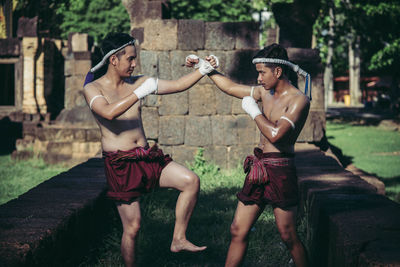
{"x": 349, "y": 223}
{"x": 57, "y": 221}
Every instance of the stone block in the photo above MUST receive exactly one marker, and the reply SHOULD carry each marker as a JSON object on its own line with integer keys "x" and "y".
{"x": 217, "y": 155}
{"x": 224, "y": 130}
{"x": 151, "y": 101}
{"x": 202, "y": 100}
{"x": 59, "y": 148}
{"x": 150, "y": 119}
{"x": 187, "y": 40}
{"x": 149, "y": 63}
{"x": 239, "y": 66}
{"x": 219, "y": 35}
{"x": 79, "y": 42}
{"x": 93, "y": 135}
{"x": 154, "y": 10}
{"x": 138, "y": 34}
{"x": 82, "y": 55}
{"x": 223, "y": 102}
{"x": 247, "y": 130}
{"x": 27, "y": 27}
{"x": 237, "y": 155}
{"x": 247, "y": 35}
{"x": 9, "y": 47}
{"x": 178, "y": 68}
{"x": 314, "y": 128}
{"x": 175, "y": 104}
{"x": 237, "y": 106}
{"x": 160, "y": 35}
{"x": 172, "y": 129}
{"x": 184, "y": 154}
{"x": 164, "y": 65}
{"x": 198, "y": 131}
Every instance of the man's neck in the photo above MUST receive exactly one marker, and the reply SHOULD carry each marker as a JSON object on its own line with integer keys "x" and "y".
{"x": 281, "y": 87}
{"x": 113, "y": 78}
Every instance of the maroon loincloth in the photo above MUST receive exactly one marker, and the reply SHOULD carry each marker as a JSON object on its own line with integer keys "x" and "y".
{"x": 135, "y": 172}
{"x": 271, "y": 179}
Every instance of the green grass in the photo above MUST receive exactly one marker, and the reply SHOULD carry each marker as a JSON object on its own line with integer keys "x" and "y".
{"x": 371, "y": 149}
{"x": 17, "y": 177}
{"x": 209, "y": 226}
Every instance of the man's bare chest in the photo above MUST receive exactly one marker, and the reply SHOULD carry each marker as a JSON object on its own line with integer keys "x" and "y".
{"x": 274, "y": 109}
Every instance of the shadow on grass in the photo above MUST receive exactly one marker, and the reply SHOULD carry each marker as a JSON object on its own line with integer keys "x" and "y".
{"x": 208, "y": 226}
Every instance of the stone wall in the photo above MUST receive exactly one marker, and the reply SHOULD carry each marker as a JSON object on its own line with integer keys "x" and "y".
{"x": 203, "y": 116}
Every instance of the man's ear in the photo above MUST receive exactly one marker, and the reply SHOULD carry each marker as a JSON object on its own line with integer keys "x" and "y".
{"x": 113, "y": 60}
{"x": 278, "y": 72}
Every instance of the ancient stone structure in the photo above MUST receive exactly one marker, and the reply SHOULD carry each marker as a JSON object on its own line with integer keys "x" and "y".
{"x": 181, "y": 123}
{"x": 204, "y": 116}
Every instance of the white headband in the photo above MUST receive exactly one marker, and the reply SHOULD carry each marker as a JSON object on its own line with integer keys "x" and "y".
{"x": 294, "y": 67}
{"x": 106, "y": 56}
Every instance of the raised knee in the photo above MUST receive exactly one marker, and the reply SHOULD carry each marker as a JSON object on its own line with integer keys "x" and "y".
{"x": 192, "y": 181}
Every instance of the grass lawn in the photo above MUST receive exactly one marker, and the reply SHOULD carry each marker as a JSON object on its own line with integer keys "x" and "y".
{"x": 17, "y": 177}
{"x": 209, "y": 226}
{"x": 371, "y": 149}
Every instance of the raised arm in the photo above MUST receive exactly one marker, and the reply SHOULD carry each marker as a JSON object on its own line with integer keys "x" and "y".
{"x": 286, "y": 124}
{"x": 98, "y": 103}
{"x": 179, "y": 85}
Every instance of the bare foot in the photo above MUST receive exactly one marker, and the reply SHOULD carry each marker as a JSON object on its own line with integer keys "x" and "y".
{"x": 185, "y": 245}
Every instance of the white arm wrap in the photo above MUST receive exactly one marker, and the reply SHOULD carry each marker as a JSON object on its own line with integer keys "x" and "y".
{"x": 250, "y": 106}
{"x": 203, "y": 65}
{"x": 91, "y": 101}
{"x": 290, "y": 121}
{"x": 147, "y": 87}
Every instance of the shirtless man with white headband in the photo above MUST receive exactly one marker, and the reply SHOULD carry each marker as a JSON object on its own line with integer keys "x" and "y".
{"x": 132, "y": 167}
{"x": 271, "y": 174}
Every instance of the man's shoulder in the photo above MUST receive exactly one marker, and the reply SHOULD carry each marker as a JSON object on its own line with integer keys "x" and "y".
{"x": 134, "y": 79}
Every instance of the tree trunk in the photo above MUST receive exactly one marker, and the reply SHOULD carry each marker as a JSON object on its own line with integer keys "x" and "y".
{"x": 354, "y": 71}
{"x": 328, "y": 74}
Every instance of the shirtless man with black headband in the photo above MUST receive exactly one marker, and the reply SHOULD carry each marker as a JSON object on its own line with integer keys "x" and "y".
{"x": 271, "y": 175}
{"x": 132, "y": 167}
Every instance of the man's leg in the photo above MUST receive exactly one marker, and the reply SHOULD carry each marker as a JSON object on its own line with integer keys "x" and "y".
{"x": 286, "y": 223}
{"x": 245, "y": 217}
{"x": 130, "y": 217}
{"x": 186, "y": 181}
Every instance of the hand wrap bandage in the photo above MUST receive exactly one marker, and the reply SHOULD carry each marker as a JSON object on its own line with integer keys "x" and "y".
{"x": 147, "y": 87}
{"x": 204, "y": 66}
{"x": 250, "y": 106}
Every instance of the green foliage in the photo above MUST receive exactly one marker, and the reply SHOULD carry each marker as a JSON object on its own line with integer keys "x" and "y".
{"x": 58, "y": 18}
{"x": 212, "y": 10}
{"x": 201, "y": 167}
{"x": 376, "y": 23}
{"x": 95, "y": 17}
{"x": 17, "y": 177}
{"x": 372, "y": 149}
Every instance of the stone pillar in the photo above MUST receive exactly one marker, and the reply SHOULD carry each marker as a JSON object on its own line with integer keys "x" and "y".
{"x": 310, "y": 61}
{"x": 33, "y": 90}
{"x": 296, "y": 21}
{"x": 77, "y": 64}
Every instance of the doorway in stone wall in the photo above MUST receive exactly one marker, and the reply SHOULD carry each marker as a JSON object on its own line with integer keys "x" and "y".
{"x": 7, "y": 84}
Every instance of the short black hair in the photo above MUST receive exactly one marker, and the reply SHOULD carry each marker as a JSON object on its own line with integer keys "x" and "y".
{"x": 274, "y": 51}
{"x": 115, "y": 41}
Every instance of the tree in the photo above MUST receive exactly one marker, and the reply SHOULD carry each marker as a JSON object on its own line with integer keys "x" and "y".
{"x": 57, "y": 18}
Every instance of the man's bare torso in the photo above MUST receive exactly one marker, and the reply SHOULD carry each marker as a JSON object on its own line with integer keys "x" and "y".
{"x": 126, "y": 131}
{"x": 273, "y": 108}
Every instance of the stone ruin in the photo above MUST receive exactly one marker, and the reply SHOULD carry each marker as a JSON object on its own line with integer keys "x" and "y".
{"x": 204, "y": 116}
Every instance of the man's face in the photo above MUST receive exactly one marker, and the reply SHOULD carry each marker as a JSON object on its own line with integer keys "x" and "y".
{"x": 126, "y": 63}
{"x": 266, "y": 76}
